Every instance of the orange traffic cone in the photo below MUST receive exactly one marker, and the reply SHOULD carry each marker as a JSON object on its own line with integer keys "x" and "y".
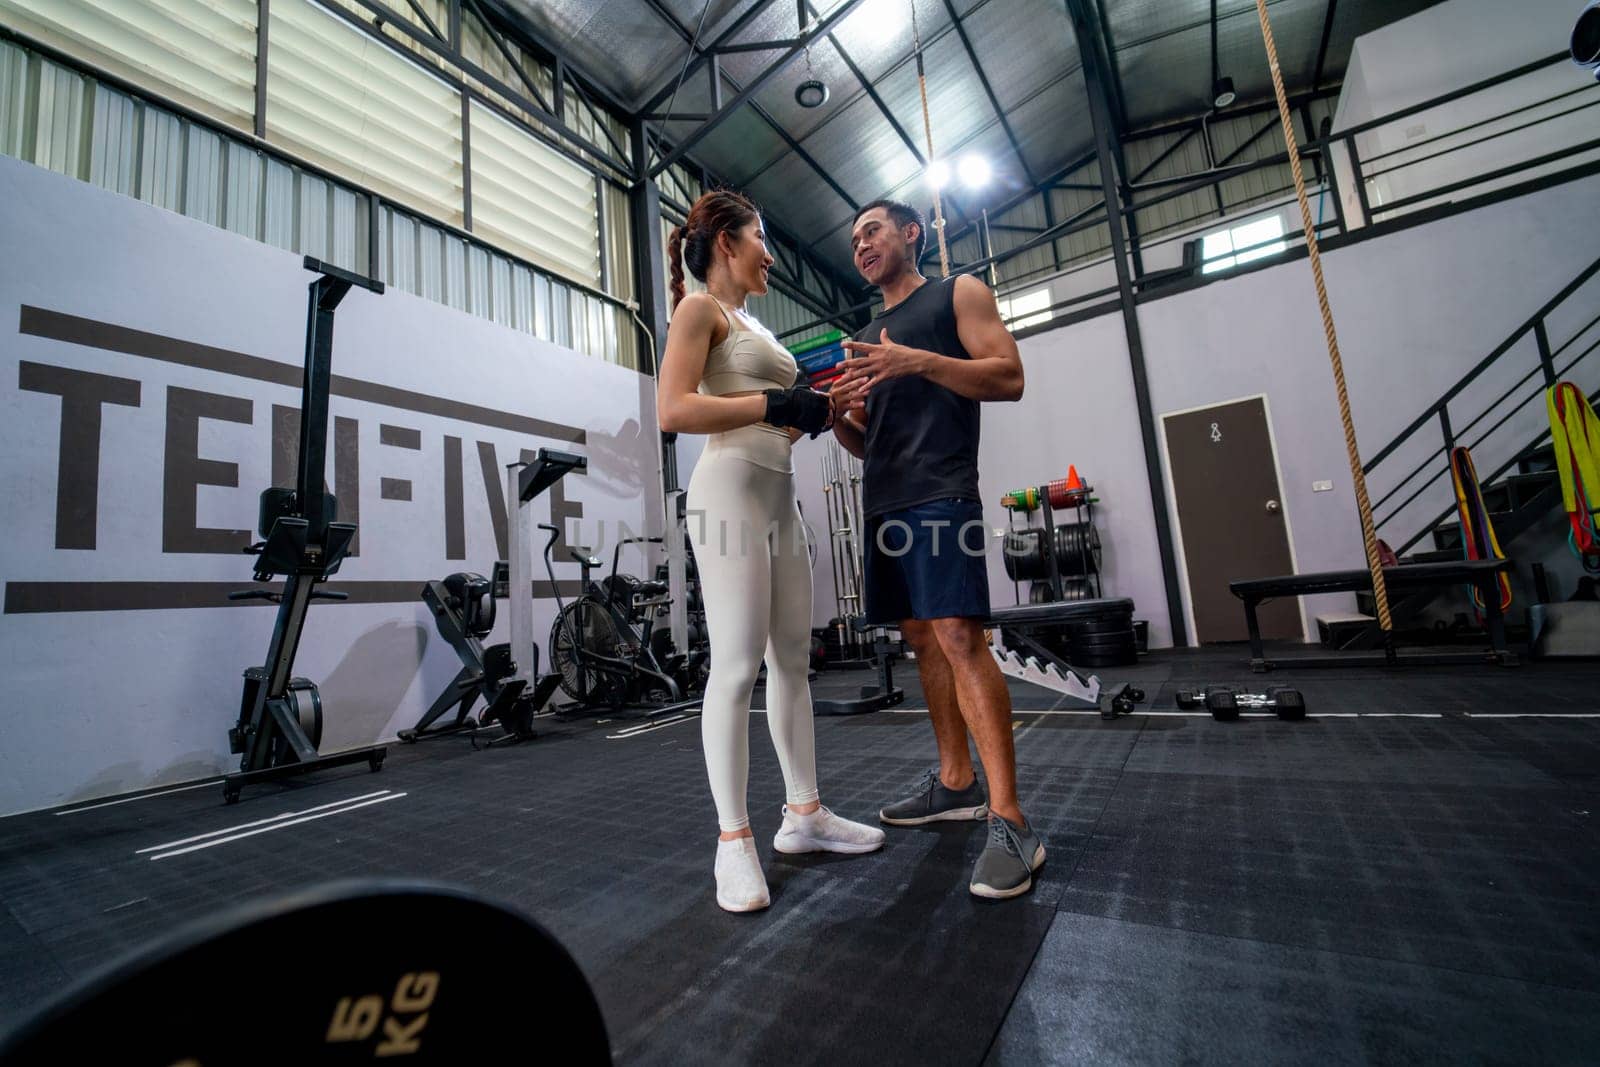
{"x": 1067, "y": 492}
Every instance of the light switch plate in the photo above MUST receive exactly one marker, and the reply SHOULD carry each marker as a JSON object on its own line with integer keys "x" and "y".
{"x": 1322, "y": 487}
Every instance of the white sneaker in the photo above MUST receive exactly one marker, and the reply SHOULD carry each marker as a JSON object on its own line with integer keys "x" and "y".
{"x": 823, "y": 831}
{"x": 740, "y": 884}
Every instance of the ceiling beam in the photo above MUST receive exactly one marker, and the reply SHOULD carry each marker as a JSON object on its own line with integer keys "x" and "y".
{"x": 1165, "y": 153}
{"x": 704, "y": 57}
{"x": 988, "y": 90}
{"x": 1184, "y": 125}
{"x": 530, "y": 35}
{"x": 1022, "y": 197}
{"x": 872, "y": 93}
{"x": 666, "y": 15}
{"x": 842, "y": 108}
{"x": 1119, "y": 101}
{"x": 1322, "y": 49}
{"x": 1013, "y": 201}
{"x": 783, "y": 237}
{"x": 748, "y": 93}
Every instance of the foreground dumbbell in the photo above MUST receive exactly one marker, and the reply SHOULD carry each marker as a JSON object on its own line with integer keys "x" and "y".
{"x": 1225, "y": 705}
{"x": 1122, "y": 703}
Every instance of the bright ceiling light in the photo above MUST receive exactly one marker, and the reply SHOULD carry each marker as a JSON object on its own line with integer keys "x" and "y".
{"x": 938, "y": 174}
{"x": 974, "y": 171}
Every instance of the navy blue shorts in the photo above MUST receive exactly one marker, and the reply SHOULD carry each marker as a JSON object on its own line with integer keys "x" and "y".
{"x": 927, "y": 562}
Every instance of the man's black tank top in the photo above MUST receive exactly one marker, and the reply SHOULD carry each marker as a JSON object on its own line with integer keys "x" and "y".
{"x": 922, "y": 439}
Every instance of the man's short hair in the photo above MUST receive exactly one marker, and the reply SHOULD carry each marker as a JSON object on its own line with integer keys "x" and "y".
{"x": 903, "y": 215}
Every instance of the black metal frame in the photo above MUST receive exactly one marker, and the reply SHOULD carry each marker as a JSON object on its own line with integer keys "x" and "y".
{"x": 1484, "y": 575}
{"x": 477, "y": 679}
{"x": 1439, "y": 410}
{"x": 304, "y": 543}
{"x": 1100, "y": 114}
{"x": 641, "y": 666}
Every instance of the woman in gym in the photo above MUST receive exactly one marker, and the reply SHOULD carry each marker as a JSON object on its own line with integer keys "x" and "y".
{"x": 725, "y": 375}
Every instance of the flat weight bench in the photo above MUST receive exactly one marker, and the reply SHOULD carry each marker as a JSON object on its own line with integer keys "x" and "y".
{"x": 1481, "y": 573}
{"x": 1020, "y": 653}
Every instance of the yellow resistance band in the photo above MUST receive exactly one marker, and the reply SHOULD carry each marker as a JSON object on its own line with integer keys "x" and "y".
{"x": 1575, "y": 431}
{"x": 1465, "y": 477}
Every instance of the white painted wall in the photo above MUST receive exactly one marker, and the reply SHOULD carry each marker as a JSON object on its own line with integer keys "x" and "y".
{"x": 130, "y": 699}
{"x": 1414, "y": 310}
{"x": 1444, "y": 48}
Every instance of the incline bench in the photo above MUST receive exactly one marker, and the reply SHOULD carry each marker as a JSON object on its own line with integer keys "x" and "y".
{"x": 1481, "y": 573}
{"x": 1018, "y": 650}
{"x": 1022, "y": 626}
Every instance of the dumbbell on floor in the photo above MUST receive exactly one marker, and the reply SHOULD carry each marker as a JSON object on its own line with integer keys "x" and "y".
{"x": 1225, "y": 704}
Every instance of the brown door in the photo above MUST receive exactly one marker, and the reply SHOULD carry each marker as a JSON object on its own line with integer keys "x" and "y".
{"x": 1230, "y": 510}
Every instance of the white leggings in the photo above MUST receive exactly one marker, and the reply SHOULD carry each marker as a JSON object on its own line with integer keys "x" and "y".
{"x": 751, "y": 549}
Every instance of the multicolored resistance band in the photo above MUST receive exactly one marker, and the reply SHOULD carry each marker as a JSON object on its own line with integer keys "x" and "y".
{"x": 1478, "y": 540}
{"x": 1575, "y": 432}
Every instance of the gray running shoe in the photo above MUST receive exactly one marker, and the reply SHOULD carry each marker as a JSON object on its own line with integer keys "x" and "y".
{"x": 1005, "y": 869}
{"x": 933, "y": 801}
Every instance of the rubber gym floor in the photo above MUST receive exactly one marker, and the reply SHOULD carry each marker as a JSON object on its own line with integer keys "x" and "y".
{"x": 1409, "y": 874}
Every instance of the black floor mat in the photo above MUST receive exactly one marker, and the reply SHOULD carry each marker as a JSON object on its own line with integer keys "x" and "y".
{"x": 1108, "y": 991}
{"x": 1342, "y": 888}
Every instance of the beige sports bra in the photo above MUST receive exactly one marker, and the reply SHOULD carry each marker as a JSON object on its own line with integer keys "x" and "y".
{"x": 749, "y": 361}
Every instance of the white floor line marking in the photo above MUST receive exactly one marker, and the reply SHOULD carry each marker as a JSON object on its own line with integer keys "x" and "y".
{"x": 259, "y": 822}
{"x": 1533, "y": 715}
{"x": 277, "y": 826}
{"x": 635, "y": 731}
{"x": 1310, "y": 714}
{"x": 142, "y": 796}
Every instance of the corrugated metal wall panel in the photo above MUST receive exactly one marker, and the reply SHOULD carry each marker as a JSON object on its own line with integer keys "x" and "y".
{"x": 246, "y": 181}
{"x": 560, "y": 314}
{"x": 57, "y": 117}
{"x": 277, "y": 226}
{"x": 500, "y": 293}
{"x": 533, "y": 200}
{"x": 430, "y": 263}
{"x": 58, "y": 139}
{"x": 479, "y": 296}
{"x": 521, "y": 298}
{"x": 347, "y": 229}
{"x": 619, "y": 242}
{"x": 311, "y": 197}
{"x": 15, "y": 104}
{"x": 543, "y": 318}
{"x": 201, "y": 52}
{"x": 404, "y": 140}
{"x": 161, "y": 161}
{"x": 114, "y": 160}
{"x": 202, "y": 175}
{"x": 1075, "y": 247}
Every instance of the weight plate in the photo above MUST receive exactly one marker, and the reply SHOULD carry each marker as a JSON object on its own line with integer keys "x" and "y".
{"x": 1101, "y": 632}
{"x": 1104, "y": 660}
{"x": 1125, "y": 637}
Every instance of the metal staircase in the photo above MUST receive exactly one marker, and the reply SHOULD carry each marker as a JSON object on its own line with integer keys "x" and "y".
{"x": 1521, "y": 490}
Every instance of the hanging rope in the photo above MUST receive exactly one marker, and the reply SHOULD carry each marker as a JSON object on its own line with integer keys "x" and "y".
{"x": 927, "y": 125}
{"x": 1380, "y": 588}
{"x": 1575, "y": 434}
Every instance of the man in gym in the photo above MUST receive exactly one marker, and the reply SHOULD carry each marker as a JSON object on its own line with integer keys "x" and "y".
{"x": 907, "y": 404}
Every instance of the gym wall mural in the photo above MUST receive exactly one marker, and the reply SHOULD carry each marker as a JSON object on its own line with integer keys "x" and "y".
{"x": 149, "y": 386}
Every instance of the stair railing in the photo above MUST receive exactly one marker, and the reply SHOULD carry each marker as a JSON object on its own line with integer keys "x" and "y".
{"x": 1550, "y": 367}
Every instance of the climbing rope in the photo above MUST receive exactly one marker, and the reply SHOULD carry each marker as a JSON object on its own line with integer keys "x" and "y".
{"x": 1380, "y": 588}
{"x": 927, "y": 125}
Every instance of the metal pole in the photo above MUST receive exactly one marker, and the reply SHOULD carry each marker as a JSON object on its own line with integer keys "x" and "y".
{"x": 1100, "y": 114}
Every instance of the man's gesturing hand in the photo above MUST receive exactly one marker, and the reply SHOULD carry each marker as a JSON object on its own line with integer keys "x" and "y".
{"x": 884, "y": 361}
